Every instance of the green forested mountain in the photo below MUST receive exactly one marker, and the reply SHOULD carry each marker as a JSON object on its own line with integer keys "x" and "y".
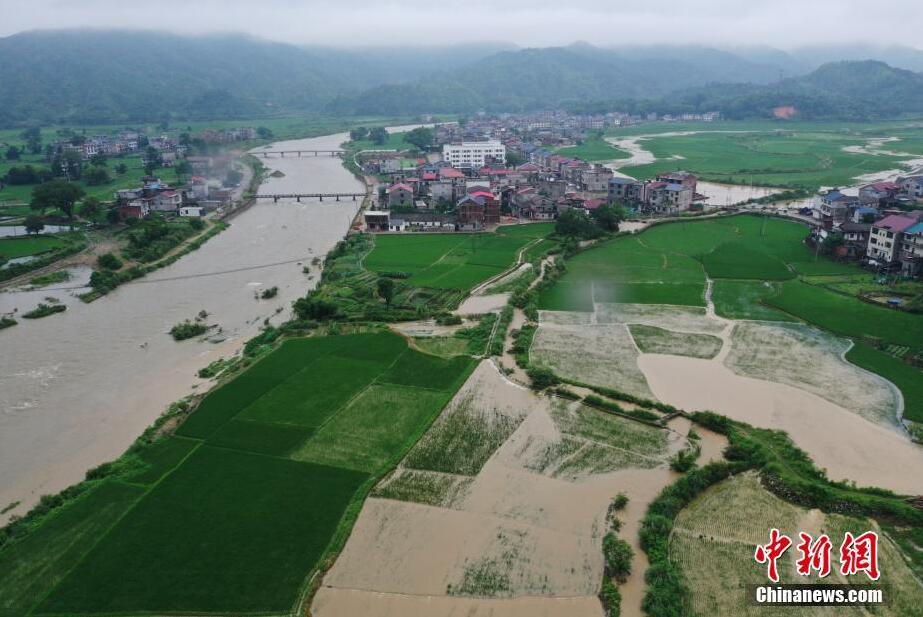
{"x": 89, "y": 77}
{"x": 853, "y": 90}
{"x": 86, "y": 76}
{"x": 550, "y": 77}
{"x": 93, "y": 77}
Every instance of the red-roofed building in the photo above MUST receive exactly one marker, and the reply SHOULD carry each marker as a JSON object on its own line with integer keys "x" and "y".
{"x": 879, "y": 193}
{"x": 450, "y": 173}
{"x": 478, "y": 209}
{"x": 886, "y": 236}
{"x": 400, "y": 195}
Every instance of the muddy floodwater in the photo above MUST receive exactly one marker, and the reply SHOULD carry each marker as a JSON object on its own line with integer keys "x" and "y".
{"x": 76, "y": 388}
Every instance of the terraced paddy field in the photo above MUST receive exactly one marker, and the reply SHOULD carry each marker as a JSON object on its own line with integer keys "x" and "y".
{"x": 233, "y": 513}
{"x": 452, "y": 261}
{"x": 499, "y": 509}
{"x": 806, "y": 155}
{"x": 713, "y": 541}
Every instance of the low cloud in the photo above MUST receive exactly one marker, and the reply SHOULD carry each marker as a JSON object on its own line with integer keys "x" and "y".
{"x": 358, "y": 23}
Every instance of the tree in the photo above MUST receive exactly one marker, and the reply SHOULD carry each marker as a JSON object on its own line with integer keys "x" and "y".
{"x": 13, "y": 153}
{"x": 26, "y": 174}
{"x": 182, "y": 169}
{"x": 314, "y": 308}
{"x": 386, "y": 289}
{"x": 233, "y": 178}
{"x": 98, "y": 159}
{"x": 358, "y": 133}
{"x": 152, "y": 160}
{"x": 112, "y": 216}
{"x": 608, "y": 217}
{"x": 121, "y": 169}
{"x": 33, "y": 224}
{"x": 617, "y": 555}
{"x": 95, "y": 176}
{"x": 67, "y": 163}
{"x": 542, "y": 377}
{"x": 513, "y": 159}
{"x": 421, "y": 137}
{"x": 264, "y": 133}
{"x": 108, "y": 261}
{"x": 576, "y": 224}
{"x": 57, "y": 194}
{"x": 90, "y": 208}
{"x": 832, "y": 242}
{"x": 379, "y": 136}
{"x": 33, "y": 139}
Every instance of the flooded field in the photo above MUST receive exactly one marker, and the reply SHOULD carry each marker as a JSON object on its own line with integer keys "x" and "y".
{"x": 78, "y": 387}
{"x": 782, "y": 376}
{"x": 500, "y": 510}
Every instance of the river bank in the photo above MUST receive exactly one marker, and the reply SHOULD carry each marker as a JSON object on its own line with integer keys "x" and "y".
{"x": 113, "y": 368}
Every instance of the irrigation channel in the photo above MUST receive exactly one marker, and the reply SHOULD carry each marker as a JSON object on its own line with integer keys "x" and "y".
{"x": 78, "y": 387}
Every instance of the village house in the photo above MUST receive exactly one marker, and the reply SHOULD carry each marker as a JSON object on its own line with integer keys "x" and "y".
{"x": 595, "y": 179}
{"x": 166, "y": 201}
{"x": 134, "y": 209}
{"x": 377, "y": 220}
{"x": 624, "y": 190}
{"x": 834, "y": 208}
{"x": 480, "y": 208}
{"x": 911, "y": 186}
{"x": 855, "y": 239}
{"x": 400, "y": 196}
{"x": 670, "y": 193}
{"x": 886, "y": 239}
{"x": 879, "y": 194}
{"x": 191, "y": 211}
{"x": 664, "y": 198}
{"x": 912, "y": 249}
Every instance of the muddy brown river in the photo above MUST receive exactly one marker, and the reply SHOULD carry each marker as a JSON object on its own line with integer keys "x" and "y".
{"x": 78, "y": 387}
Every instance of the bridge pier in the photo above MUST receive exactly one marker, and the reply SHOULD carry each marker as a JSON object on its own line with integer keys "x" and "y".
{"x": 275, "y": 200}
{"x": 298, "y": 199}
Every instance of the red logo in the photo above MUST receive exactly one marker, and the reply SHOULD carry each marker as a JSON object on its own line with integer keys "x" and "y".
{"x": 769, "y": 553}
{"x": 860, "y": 554}
{"x": 857, "y": 554}
{"x": 815, "y": 555}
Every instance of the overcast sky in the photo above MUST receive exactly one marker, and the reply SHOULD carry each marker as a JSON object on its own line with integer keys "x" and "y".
{"x": 778, "y": 23}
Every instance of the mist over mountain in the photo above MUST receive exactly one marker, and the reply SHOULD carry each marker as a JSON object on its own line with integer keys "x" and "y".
{"x": 845, "y": 90}
{"x": 87, "y": 76}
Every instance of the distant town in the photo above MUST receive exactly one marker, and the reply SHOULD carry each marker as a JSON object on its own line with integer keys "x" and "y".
{"x": 513, "y": 166}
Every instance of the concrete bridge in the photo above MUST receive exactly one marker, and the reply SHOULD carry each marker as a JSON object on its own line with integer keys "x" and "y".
{"x": 282, "y": 153}
{"x": 275, "y": 197}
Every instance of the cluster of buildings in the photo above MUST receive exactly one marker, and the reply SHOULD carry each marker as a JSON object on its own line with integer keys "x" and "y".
{"x": 511, "y": 164}
{"x": 880, "y": 226}
{"x": 127, "y": 142}
{"x": 196, "y": 199}
{"x": 472, "y": 185}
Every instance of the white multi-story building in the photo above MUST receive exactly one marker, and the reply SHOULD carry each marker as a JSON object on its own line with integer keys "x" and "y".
{"x": 473, "y": 153}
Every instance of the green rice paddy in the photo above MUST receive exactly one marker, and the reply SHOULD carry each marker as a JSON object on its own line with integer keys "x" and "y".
{"x": 452, "y": 261}
{"x": 803, "y": 155}
{"x": 594, "y": 149}
{"x": 232, "y": 515}
{"x": 12, "y": 248}
{"x": 667, "y": 263}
